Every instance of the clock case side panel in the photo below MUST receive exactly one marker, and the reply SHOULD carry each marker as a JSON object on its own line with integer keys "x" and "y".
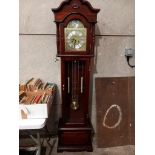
{"x": 58, "y": 38}
{"x": 70, "y": 116}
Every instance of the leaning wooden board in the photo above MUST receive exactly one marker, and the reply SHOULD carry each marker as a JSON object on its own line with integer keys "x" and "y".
{"x": 115, "y": 111}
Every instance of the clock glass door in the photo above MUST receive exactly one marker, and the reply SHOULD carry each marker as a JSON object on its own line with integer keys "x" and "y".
{"x": 75, "y": 91}
{"x": 75, "y": 36}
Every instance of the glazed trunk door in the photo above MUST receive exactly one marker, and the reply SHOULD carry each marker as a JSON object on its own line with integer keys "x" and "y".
{"x": 74, "y": 94}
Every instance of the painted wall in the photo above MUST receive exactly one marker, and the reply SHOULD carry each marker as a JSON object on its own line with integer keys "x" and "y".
{"x": 37, "y": 51}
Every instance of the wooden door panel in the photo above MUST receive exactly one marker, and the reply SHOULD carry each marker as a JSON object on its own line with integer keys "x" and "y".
{"x": 75, "y": 87}
{"x": 115, "y": 111}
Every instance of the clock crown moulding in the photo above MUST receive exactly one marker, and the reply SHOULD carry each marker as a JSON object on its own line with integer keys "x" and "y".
{"x": 82, "y": 7}
{"x": 70, "y": 42}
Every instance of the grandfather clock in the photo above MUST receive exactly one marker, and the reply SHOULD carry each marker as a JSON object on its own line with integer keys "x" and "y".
{"x": 75, "y": 22}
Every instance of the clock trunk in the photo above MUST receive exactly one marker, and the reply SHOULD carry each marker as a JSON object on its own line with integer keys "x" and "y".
{"x": 75, "y": 86}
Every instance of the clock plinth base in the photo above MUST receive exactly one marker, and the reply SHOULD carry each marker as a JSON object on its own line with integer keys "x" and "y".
{"x": 75, "y": 137}
{"x": 75, "y": 148}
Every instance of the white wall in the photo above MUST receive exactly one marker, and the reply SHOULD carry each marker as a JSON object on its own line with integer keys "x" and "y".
{"x": 114, "y": 33}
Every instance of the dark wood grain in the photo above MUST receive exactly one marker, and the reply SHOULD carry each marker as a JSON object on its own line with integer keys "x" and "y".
{"x": 115, "y": 111}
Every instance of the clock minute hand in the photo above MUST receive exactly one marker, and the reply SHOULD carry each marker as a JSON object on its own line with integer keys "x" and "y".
{"x": 74, "y": 42}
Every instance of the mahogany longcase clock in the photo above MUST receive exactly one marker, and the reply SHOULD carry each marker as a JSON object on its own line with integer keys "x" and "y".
{"x": 75, "y": 21}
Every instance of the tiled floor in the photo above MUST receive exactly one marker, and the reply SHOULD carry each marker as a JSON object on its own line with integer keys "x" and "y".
{"x": 120, "y": 150}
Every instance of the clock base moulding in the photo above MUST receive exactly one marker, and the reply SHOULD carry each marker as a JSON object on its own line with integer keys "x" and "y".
{"x": 78, "y": 138}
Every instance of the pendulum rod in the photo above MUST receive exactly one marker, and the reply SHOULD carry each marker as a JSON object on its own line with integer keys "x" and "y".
{"x": 82, "y": 77}
{"x": 75, "y": 86}
{"x": 77, "y": 91}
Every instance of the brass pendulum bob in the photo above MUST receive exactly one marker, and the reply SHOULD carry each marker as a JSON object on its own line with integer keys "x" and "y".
{"x": 74, "y": 105}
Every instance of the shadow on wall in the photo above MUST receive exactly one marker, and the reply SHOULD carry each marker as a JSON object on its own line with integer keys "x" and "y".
{"x": 94, "y": 69}
{"x": 54, "y": 114}
{"x": 97, "y": 38}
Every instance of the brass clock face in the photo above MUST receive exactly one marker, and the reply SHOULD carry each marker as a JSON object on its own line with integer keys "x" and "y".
{"x": 75, "y": 36}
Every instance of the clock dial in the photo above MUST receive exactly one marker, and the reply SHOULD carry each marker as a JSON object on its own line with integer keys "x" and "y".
{"x": 75, "y": 36}
{"x": 75, "y": 24}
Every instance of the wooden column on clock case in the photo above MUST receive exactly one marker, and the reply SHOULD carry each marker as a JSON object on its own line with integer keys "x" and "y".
{"x": 75, "y": 21}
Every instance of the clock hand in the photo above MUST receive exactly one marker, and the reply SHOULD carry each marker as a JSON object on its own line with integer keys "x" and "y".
{"x": 74, "y": 42}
